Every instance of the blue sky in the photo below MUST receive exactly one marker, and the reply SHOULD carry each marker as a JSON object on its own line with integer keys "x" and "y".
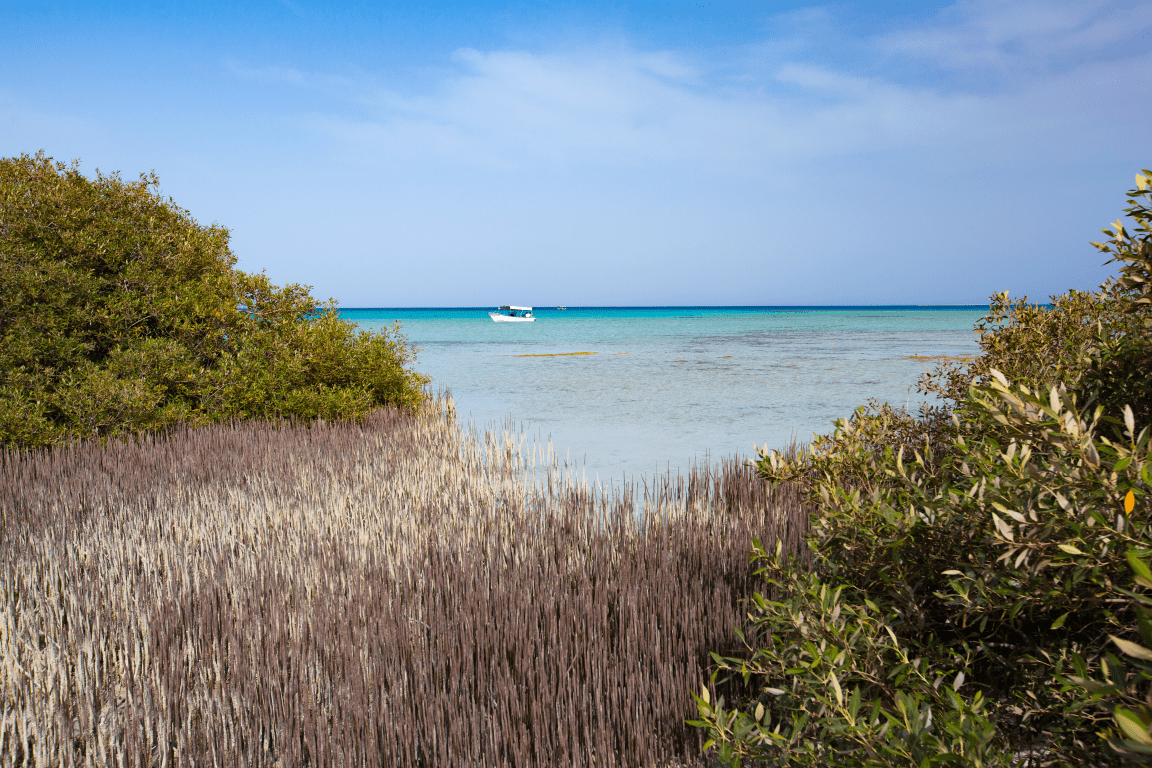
{"x": 611, "y": 153}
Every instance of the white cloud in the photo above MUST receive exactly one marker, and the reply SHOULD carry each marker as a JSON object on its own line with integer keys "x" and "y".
{"x": 1029, "y": 35}
{"x": 514, "y": 110}
{"x": 270, "y": 73}
{"x": 506, "y": 109}
{"x": 511, "y": 109}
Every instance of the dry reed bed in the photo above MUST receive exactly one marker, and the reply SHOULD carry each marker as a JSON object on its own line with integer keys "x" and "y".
{"x": 399, "y": 593}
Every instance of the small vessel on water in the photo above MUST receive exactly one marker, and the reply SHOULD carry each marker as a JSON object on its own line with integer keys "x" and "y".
{"x": 511, "y": 314}
{"x": 561, "y": 307}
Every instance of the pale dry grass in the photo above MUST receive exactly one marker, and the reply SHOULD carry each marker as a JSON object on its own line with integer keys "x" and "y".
{"x": 396, "y": 593}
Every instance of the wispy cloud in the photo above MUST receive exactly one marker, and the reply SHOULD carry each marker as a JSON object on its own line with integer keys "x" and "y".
{"x": 507, "y": 109}
{"x": 1025, "y": 36}
{"x": 513, "y": 109}
{"x": 340, "y": 85}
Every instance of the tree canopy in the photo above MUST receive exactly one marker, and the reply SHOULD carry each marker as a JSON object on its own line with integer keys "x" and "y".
{"x": 121, "y": 314}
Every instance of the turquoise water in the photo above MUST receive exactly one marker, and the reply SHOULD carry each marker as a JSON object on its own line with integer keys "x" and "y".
{"x": 670, "y": 385}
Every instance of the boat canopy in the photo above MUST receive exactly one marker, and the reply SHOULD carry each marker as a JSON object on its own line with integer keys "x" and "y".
{"x": 517, "y": 309}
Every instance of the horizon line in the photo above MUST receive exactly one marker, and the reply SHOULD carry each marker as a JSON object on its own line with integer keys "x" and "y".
{"x": 701, "y": 306}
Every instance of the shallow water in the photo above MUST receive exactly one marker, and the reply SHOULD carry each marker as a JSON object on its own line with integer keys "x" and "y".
{"x": 666, "y": 386}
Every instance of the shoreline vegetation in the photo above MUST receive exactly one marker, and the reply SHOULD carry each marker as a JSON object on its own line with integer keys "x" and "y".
{"x": 979, "y": 591}
{"x": 123, "y": 315}
{"x": 397, "y": 592}
{"x": 942, "y": 358}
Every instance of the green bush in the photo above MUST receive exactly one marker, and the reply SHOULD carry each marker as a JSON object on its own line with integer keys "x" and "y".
{"x": 121, "y": 314}
{"x": 970, "y": 602}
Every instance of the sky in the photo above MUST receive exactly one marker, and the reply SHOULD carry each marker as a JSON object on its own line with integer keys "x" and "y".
{"x": 601, "y": 154}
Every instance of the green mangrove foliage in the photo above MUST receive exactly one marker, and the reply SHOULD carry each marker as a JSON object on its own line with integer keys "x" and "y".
{"x": 122, "y": 314}
{"x": 979, "y": 593}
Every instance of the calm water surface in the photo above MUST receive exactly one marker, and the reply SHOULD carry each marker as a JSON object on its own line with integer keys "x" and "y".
{"x": 669, "y": 385}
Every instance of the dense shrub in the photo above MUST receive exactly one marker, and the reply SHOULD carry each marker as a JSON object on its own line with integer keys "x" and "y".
{"x": 122, "y": 314}
{"x": 971, "y": 598}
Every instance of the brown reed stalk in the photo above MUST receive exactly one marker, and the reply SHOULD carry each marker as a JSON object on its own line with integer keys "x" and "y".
{"x": 400, "y": 592}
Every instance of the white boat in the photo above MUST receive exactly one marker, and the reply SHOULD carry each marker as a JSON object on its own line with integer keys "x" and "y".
{"x": 511, "y": 314}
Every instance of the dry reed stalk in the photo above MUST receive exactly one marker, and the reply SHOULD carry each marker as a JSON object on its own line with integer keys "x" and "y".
{"x": 400, "y": 592}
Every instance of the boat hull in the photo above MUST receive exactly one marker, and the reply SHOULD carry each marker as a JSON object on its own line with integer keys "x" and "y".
{"x": 498, "y": 318}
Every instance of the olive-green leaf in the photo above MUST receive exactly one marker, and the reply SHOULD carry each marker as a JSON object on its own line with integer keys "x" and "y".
{"x": 1132, "y": 726}
{"x": 1003, "y": 528}
{"x": 1135, "y": 650}
{"x": 1138, "y": 566}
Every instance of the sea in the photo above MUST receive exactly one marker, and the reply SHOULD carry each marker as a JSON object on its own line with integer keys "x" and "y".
{"x": 623, "y": 392}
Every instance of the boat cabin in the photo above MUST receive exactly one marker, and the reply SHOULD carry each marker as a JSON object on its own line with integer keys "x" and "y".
{"x": 511, "y": 313}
